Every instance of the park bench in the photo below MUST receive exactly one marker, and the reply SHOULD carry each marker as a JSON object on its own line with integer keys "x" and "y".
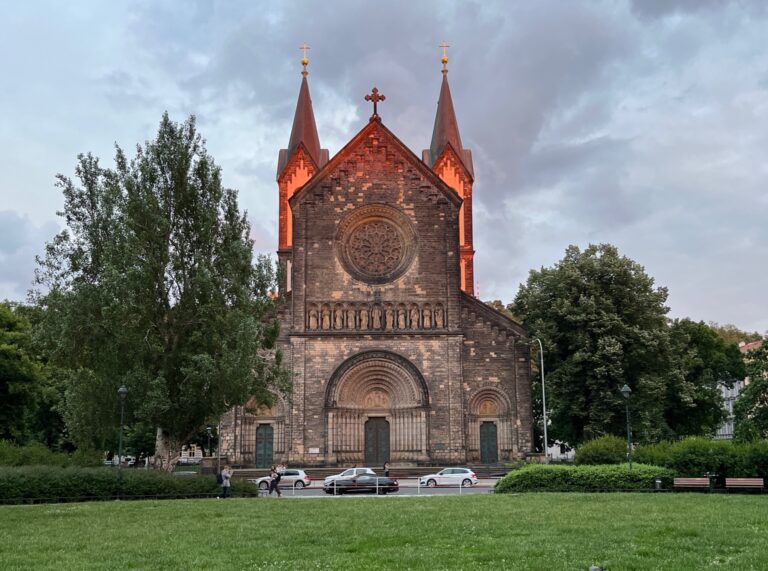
{"x": 743, "y": 483}
{"x": 702, "y": 483}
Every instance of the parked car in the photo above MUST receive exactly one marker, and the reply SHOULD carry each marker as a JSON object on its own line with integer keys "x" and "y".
{"x": 363, "y": 483}
{"x": 463, "y": 477}
{"x": 291, "y": 478}
{"x": 349, "y": 473}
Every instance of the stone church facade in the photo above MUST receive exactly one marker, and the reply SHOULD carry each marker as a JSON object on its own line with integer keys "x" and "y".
{"x": 393, "y": 358}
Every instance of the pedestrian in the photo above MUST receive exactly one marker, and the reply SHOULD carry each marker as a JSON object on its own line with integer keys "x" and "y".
{"x": 274, "y": 482}
{"x": 226, "y": 476}
{"x": 386, "y": 469}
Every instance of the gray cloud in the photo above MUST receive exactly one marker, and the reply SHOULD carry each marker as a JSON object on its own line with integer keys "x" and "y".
{"x": 631, "y": 122}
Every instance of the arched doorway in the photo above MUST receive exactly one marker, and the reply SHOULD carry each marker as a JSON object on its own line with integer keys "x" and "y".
{"x": 489, "y": 427}
{"x": 376, "y": 411}
{"x": 489, "y": 443}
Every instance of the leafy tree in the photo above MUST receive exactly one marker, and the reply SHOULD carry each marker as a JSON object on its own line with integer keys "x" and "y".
{"x": 703, "y": 360}
{"x": 603, "y": 324}
{"x": 751, "y": 407}
{"x": 732, "y": 334}
{"x": 20, "y": 375}
{"x": 152, "y": 285}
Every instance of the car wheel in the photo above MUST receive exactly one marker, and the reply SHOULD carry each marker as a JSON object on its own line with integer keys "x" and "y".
{"x": 299, "y": 485}
{"x": 381, "y": 491}
{"x": 466, "y": 483}
{"x": 431, "y": 483}
{"x": 263, "y": 486}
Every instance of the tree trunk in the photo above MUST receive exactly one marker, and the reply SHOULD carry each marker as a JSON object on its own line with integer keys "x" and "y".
{"x": 167, "y": 451}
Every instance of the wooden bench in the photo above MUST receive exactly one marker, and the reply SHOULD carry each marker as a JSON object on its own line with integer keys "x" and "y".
{"x": 743, "y": 483}
{"x": 702, "y": 483}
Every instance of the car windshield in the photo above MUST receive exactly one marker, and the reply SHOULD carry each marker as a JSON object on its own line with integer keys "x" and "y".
{"x": 348, "y": 472}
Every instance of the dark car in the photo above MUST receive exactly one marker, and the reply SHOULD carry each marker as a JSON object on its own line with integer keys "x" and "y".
{"x": 364, "y": 483}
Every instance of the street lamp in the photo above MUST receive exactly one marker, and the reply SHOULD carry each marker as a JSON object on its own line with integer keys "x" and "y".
{"x": 627, "y": 392}
{"x": 543, "y": 399}
{"x": 208, "y": 429}
{"x": 122, "y": 393}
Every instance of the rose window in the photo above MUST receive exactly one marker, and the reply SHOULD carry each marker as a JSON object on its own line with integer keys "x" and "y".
{"x": 376, "y": 243}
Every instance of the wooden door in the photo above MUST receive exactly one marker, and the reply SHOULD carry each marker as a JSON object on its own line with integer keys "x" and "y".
{"x": 376, "y": 442}
{"x": 264, "y": 445}
{"x": 489, "y": 443}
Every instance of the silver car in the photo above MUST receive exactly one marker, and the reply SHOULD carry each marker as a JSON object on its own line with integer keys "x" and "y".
{"x": 349, "y": 473}
{"x": 290, "y": 478}
{"x": 463, "y": 477}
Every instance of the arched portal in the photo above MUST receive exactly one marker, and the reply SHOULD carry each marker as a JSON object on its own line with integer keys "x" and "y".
{"x": 490, "y": 427}
{"x": 376, "y": 410}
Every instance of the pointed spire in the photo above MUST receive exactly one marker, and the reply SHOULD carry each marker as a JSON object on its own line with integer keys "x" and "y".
{"x": 304, "y": 128}
{"x": 446, "y": 128}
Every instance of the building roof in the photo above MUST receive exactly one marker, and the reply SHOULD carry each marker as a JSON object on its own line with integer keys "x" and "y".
{"x": 304, "y": 131}
{"x": 446, "y": 129}
{"x": 752, "y": 345}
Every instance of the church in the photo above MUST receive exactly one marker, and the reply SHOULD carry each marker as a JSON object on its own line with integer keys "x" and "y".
{"x": 392, "y": 356}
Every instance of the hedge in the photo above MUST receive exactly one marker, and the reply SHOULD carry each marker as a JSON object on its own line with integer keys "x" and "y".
{"x": 696, "y": 456}
{"x": 604, "y": 450}
{"x": 37, "y": 454}
{"x": 32, "y": 484}
{"x": 564, "y": 478}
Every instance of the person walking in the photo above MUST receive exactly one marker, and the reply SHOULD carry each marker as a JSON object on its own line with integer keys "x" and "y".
{"x": 226, "y": 476}
{"x": 386, "y": 469}
{"x": 274, "y": 483}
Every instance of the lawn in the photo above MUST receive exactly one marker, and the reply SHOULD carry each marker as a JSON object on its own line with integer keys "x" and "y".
{"x": 532, "y": 531}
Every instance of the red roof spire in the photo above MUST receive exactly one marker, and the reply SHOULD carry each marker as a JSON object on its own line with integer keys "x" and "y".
{"x": 304, "y": 128}
{"x": 446, "y": 128}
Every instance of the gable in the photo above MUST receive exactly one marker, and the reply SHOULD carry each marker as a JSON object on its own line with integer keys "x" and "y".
{"x": 385, "y": 137}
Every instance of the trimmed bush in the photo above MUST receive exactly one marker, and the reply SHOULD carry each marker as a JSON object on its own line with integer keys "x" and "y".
{"x": 611, "y": 478}
{"x": 603, "y": 450}
{"x": 31, "y": 484}
{"x": 37, "y": 454}
{"x": 654, "y": 454}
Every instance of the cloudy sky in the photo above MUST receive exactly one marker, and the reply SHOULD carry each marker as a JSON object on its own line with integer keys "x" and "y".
{"x": 640, "y": 123}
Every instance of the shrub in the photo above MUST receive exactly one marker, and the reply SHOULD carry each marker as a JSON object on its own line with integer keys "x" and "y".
{"x": 698, "y": 456}
{"x": 37, "y": 454}
{"x": 611, "y": 478}
{"x": 656, "y": 454}
{"x": 603, "y": 450}
{"x": 52, "y": 484}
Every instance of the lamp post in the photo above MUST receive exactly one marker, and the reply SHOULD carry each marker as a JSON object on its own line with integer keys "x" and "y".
{"x": 627, "y": 392}
{"x": 122, "y": 392}
{"x": 208, "y": 429}
{"x": 543, "y": 399}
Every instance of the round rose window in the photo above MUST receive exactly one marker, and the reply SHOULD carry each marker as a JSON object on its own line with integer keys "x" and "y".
{"x": 376, "y": 243}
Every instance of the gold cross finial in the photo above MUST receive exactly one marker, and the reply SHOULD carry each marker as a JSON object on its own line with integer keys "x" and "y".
{"x": 445, "y": 46}
{"x": 304, "y": 60}
{"x": 375, "y": 97}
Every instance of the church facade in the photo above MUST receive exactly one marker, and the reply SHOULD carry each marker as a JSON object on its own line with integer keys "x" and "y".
{"x": 393, "y": 358}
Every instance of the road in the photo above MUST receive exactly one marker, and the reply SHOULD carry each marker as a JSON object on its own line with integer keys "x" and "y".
{"x": 408, "y": 488}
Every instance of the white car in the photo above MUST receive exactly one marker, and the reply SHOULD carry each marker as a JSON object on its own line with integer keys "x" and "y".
{"x": 349, "y": 473}
{"x": 290, "y": 478}
{"x": 463, "y": 477}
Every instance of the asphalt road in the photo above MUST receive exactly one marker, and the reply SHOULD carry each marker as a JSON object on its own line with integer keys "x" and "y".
{"x": 408, "y": 488}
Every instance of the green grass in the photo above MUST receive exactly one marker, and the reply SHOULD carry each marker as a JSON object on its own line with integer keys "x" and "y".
{"x": 532, "y": 531}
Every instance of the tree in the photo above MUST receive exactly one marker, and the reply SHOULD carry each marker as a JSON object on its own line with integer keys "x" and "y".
{"x": 751, "y": 407}
{"x": 152, "y": 285}
{"x": 702, "y": 361}
{"x": 732, "y": 334}
{"x": 20, "y": 375}
{"x": 603, "y": 324}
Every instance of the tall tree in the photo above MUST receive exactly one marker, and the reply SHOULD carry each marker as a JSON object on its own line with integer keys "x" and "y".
{"x": 20, "y": 375}
{"x": 732, "y": 334}
{"x": 603, "y": 324}
{"x": 702, "y": 361}
{"x": 152, "y": 285}
{"x": 751, "y": 407}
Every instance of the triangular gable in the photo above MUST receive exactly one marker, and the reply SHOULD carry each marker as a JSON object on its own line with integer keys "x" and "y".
{"x": 460, "y": 159}
{"x": 359, "y": 139}
{"x": 301, "y": 152}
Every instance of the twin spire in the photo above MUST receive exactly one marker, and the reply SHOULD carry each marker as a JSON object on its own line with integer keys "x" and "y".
{"x": 304, "y": 130}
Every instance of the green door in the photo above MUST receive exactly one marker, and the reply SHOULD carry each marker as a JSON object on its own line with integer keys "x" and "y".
{"x": 489, "y": 443}
{"x": 264, "y": 445}
{"x": 376, "y": 441}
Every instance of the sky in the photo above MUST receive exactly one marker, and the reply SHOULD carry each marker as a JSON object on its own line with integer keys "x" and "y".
{"x": 638, "y": 123}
